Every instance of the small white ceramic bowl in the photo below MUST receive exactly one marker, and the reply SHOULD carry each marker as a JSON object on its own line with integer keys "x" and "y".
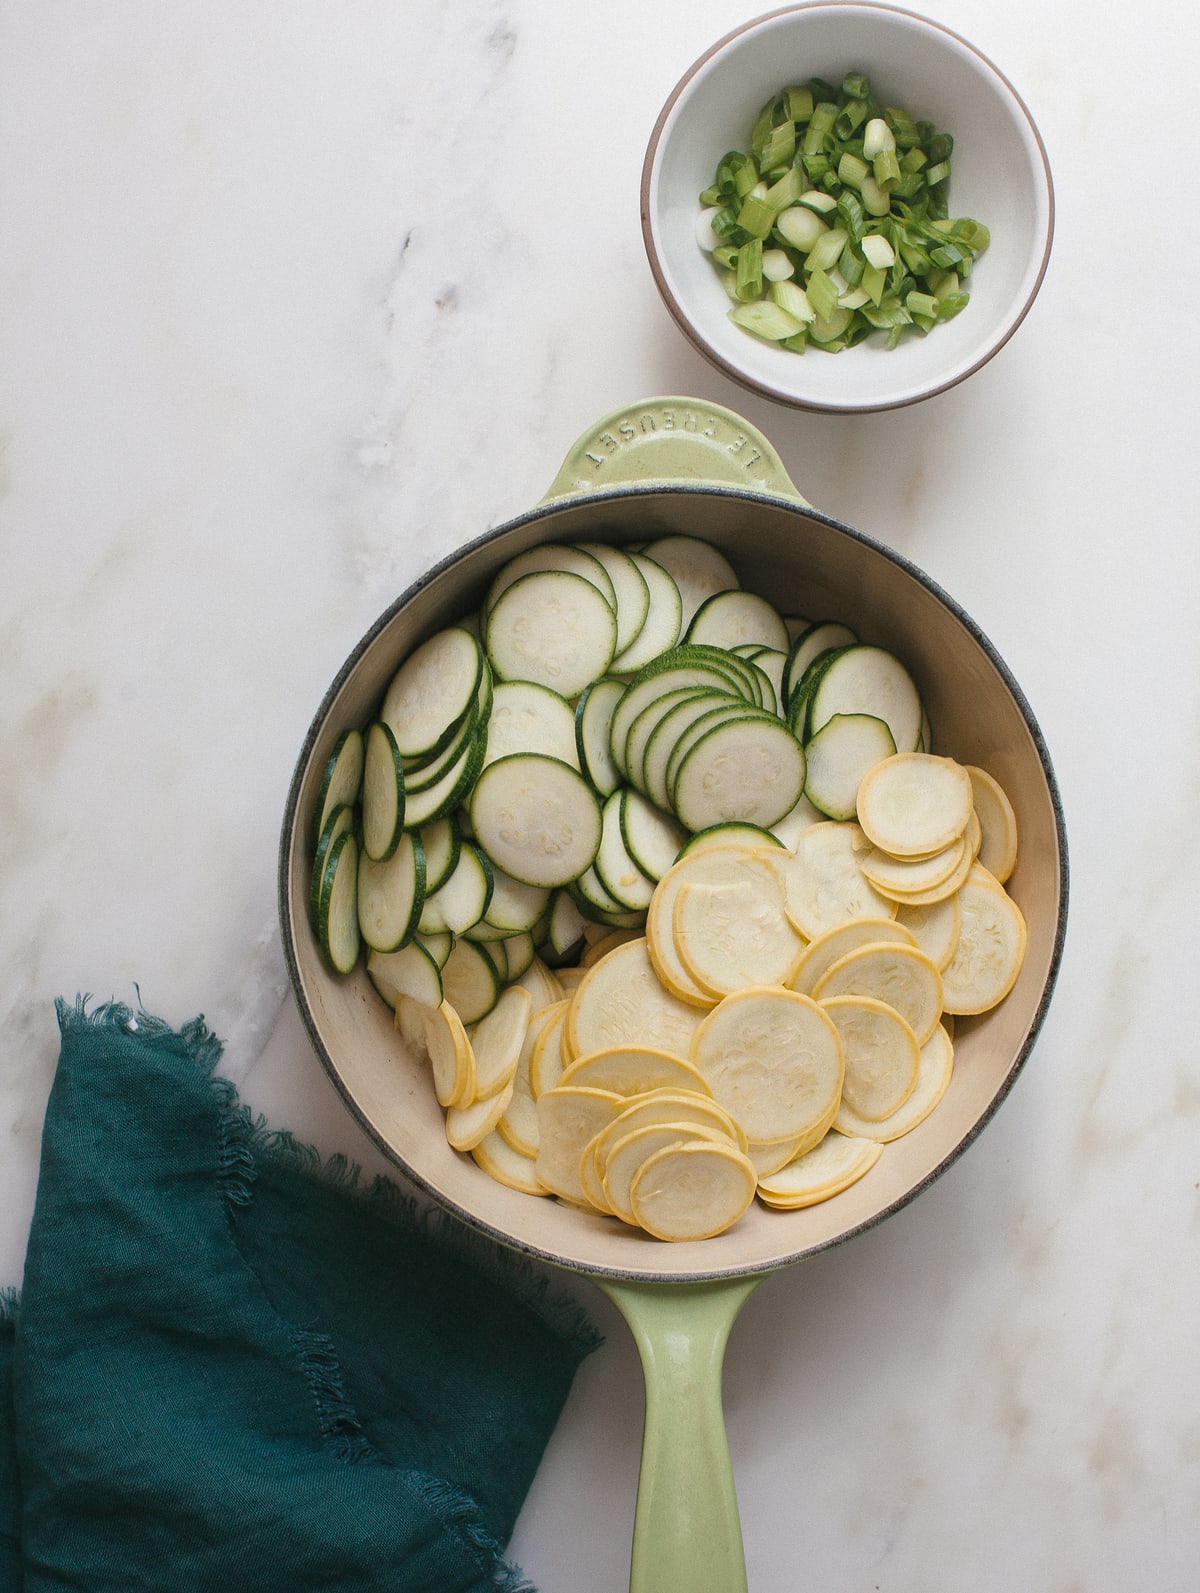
{"x": 1000, "y": 176}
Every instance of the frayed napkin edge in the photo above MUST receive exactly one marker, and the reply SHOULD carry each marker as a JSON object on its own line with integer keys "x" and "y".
{"x": 246, "y": 1138}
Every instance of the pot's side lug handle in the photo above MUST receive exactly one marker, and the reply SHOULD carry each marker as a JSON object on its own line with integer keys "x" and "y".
{"x": 687, "y": 1536}
{"x": 680, "y": 441}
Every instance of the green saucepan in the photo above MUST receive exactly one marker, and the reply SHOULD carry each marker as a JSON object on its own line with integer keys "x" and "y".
{"x": 686, "y": 465}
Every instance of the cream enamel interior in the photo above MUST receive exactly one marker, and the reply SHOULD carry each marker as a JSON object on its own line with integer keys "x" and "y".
{"x": 805, "y": 563}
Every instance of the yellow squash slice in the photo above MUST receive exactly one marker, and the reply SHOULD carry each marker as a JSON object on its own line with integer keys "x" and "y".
{"x": 991, "y": 946}
{"x": 823, "y": 952}
{"x": 567, "y": 1119}
{"x": 438, "y": 1034}
{"x": 736, "y": 933}
{"x": 773, "y": 1059}
{"x": 998, "y": 850}
{"x": 507, "y": 1166}
{"x": 620, "y": 1159}
{"x": 467, "y": 1126}
{"x": 882, "y": 1054}
{"x": 910, "y": 876}
{"x": 693, "y": 1190}
{"x": 902, "y": 976}
{"x": 833, "y": 1165}
{"x": 933, "y": 1079}
{"x": 497, "y": 1040}
{"x": 519, "y": 1125}
{"x": 914, "y": 803}
{"x": 634, "y": 1069}
{"x": 622, "y": 1001}
{"x": 934, "y": 927}
{"x": 711, "y": 864}
{"x": 676, "y": 1106}
{"x": 546, "y": 1060}
{"x": 824, "y": 885}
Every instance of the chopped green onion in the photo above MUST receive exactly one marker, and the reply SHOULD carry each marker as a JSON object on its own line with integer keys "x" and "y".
{"x": 886, "y": 168}
{"x": 786, "y": 191}
{"x": 801, "y": 227}
{"x": 766, "y": 320}
{"x": 756, "y": 217}
{"x": 799, "y": 103}
{"x": 822, "y": 294}
{"x": 826, "y": 252}
{"x": 878, "y": 139}
{"x": 836, "y": 224}
{"x": 851, "y": 170}
{"x": 779, "y": 147}
{"x": 790, "y": 296}
{"x": 875, "y": 199}
{"x": 877, "y": 251}
{"x": 749, "y": 270}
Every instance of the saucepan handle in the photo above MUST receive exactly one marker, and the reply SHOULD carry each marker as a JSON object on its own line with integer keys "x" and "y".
{"x": 677, "y": 441}
{"x": 687, "y": 1533}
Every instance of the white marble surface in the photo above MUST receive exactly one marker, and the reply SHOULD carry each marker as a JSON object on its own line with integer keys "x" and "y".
{"x": 295, "y": 298}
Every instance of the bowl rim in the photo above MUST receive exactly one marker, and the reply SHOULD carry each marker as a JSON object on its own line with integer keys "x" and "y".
{"x": 678, "y": 311}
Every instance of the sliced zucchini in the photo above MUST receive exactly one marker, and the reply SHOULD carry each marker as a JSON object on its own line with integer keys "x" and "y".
{"x": 652, "y": 838}
{"x": 600, "y": 907}
{"x": 470, "y": 981}
{"x": 339, "y": 821}
{"x": 554, "y": 628}
{"x": 728, "y": 619}
{"x": 530, "y": 718}
{"x": 813, "y": 640}
{"x": 519, "y": 951}
{"x": 750, "y": 768}
{"x": 616, "y": 870}
{"x": 438, "y": 943}
{"x": 433, "y": 691}
{"x": 838, "y": 757}
{"x": 568, "y": 557}
{"x": 462, "y": 900}
{"x": 723, "y": 713}
{"x": 438, "y": 800}
{"x": 564, "y": 929}
{"x": 391, "y": 893}
{"x": 864, "y": 679}
{"x": 729, "y": 833}
{"x": 427, "y": 769}
{"x": 650, "y": 776}
{"x": 536, "y": 818}
{"x": 772, "y": 663}
{"x": 409, "y": 971}
{"x": 341, "y": 781}
{"x": 442, "y": 840}
{"x": 382, "y": 792}
{"x": 698, "y": 568}
{"x": 644, "y": 724}
{"x": 664, "y": 619}
{"x": 593, "y": 725}
{"x": 514, "y": 906}
{"x": 700, "y": 670}
{"x": 800, "y": 701}
{"x": 631, "y": 593}
{"x": 337, "y": 911}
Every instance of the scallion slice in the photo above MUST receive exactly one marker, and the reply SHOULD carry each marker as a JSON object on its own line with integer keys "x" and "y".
{"x": 835, "y": 225}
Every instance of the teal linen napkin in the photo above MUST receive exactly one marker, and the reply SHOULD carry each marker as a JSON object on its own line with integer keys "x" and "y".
{"x": 233, "y": 1367}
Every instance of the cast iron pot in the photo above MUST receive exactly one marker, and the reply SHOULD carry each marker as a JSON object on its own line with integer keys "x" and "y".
{"x": 685, "y": 465}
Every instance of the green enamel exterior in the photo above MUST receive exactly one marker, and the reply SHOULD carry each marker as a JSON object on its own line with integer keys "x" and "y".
{"x": 687, "y": 1535}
